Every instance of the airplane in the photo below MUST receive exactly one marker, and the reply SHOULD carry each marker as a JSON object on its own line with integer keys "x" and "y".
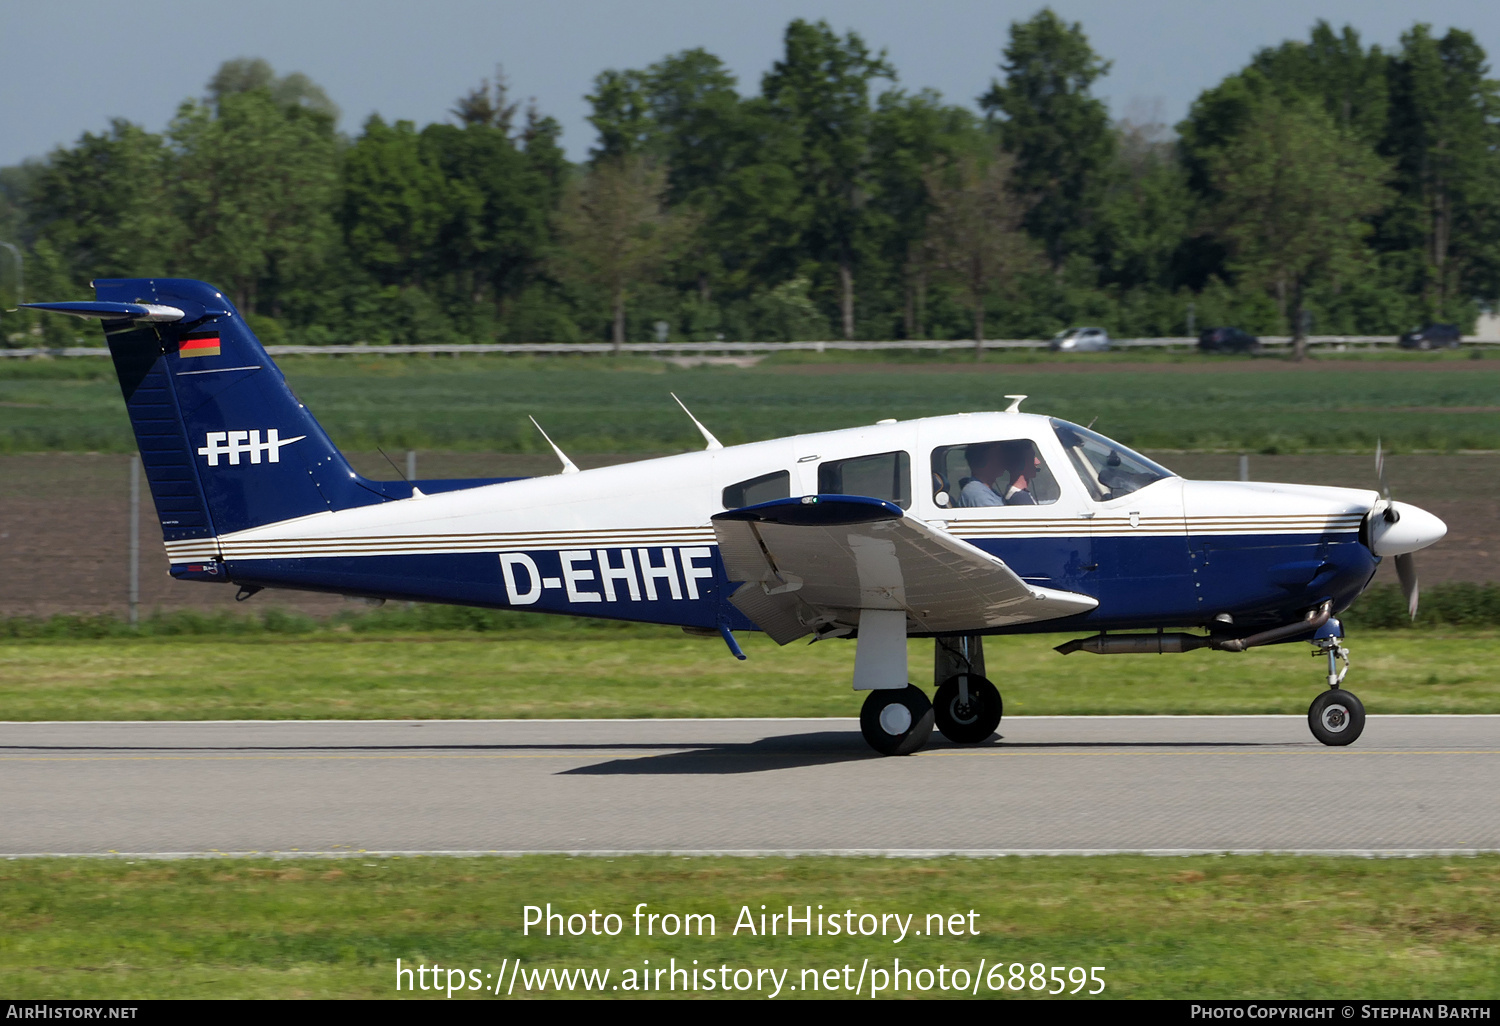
{"x": 953, "y": 528}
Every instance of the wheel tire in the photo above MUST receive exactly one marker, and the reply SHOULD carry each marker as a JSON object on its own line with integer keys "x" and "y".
{"x": 1336, "y": 717}
{"x": 896, "y": 721}
{"x": 971, "y": 724}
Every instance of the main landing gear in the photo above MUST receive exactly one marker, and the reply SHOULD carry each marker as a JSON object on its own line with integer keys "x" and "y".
{"x": 1336, "y": 717}
{"x": 896, "y": 721}
{"x": 967, "y": 709}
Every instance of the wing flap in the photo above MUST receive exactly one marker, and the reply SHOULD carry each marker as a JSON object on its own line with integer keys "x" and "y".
{"x": 818, "y": 560}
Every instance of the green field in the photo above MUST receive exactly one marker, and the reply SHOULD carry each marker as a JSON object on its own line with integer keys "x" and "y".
{"x": 1438, "y": 402}
{"x": 652, "y": 672}
{"x": 1201, "y": 927}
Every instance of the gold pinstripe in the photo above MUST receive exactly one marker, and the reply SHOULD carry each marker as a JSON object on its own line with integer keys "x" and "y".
{"x": 246, "y": 548}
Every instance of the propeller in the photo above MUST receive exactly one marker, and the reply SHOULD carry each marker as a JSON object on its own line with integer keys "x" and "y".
{"x": 1406, "y": 562}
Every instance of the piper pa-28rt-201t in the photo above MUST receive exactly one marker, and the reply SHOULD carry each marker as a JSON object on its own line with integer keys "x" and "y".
{"x": 950, "y": 528}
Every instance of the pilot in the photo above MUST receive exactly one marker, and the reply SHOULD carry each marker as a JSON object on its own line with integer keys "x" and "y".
{"x": 987, "y": 461}
{"x": 1022, "y": 463}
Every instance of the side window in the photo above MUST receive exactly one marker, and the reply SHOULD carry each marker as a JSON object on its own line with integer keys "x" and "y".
{"x": 777, "y": 485}
{"x": 1002, "y": 473}
{"x": 883, "y": 476}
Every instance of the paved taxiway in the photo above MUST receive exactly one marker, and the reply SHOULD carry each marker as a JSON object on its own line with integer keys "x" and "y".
{"x": 1412, "y": 783}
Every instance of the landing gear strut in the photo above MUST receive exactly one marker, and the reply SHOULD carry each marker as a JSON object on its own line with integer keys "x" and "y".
{"x": 1336, "y": 717}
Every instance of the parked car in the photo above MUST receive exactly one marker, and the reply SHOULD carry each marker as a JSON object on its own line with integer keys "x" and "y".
{"x": 1080, "y": 340}
{"x": 1228, "y": 340}
{"x": 1433, "y": 336}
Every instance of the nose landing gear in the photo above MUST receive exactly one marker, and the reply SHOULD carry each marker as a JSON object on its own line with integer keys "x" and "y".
{"x": 1336, "y": 717}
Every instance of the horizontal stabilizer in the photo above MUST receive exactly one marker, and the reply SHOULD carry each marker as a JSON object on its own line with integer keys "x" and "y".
{"x": 812, "y": 563}
{"x": 153, "y": 312}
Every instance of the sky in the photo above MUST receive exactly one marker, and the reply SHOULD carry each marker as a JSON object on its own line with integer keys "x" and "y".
{"x": 69, "y": 66}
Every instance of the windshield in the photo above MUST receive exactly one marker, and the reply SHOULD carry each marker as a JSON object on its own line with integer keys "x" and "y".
{"x": 1108, "y": 469}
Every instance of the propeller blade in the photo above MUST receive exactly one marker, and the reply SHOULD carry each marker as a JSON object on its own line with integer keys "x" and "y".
{"x": 1406, "y": 570}
{"x": 1385, "y": 488}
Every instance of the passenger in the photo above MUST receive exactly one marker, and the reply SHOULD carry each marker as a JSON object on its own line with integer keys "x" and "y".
{"x": 986, "y": 463}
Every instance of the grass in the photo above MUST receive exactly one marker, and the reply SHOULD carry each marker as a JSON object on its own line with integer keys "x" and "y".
{"x": 1200, "y": 927}
{"x": 481, "y": 402}
{"x": 651, "y": 672}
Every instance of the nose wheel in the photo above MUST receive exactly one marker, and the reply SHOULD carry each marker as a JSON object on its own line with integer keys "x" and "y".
{"x": 896, "y": 721}
{"x": 1336, "y": 717}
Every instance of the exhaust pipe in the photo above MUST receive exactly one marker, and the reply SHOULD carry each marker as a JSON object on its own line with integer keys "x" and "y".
{"x": 1160, "y": 644}
{"x": 1119, "y": 644}
{"x": 1315, "y": 619}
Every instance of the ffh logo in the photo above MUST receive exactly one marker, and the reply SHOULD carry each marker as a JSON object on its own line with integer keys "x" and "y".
{"x": 234, "y": 444}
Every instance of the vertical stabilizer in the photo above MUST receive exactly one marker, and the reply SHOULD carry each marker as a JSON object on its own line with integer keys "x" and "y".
{"x": 224, "y": 443}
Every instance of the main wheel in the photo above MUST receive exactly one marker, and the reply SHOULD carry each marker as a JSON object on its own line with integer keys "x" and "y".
{"x": 1336, "y": 717}
{"x": 896, "y": 721}
{"x": 967, "y": 723}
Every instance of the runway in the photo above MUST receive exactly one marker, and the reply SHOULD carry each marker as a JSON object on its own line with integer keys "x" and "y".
{"x": 1412, "y": 784}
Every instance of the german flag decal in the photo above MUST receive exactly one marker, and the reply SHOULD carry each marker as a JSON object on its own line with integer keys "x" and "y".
{"x": 199, "y": 345}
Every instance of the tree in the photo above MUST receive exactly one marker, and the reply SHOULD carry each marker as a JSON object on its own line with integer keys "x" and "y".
{"x": 106, "y": 207}
{"x": 1058, "y": 132}
{"x": 616, "y": 229}
{"x": 1335, "y": 69}
{"x": 247, "y": 74}
{"x": 683, "y": 113}
{"x": 488, "y": 104}
{"x": 1444, "y": 132}
{"x": 256, "y": 189}
{"x": 974, "y": 231}
{"x": 1296, "y": 195}
{"x": 392, "y": 202}
{"x": 910, "y": 134}
{"x": 1331, "y": 70}
{"x": 1148, "y": 212}
{"x": 820, "y": 90}
{"x": 620, "y": 115}
{"x": 693, "y": 109}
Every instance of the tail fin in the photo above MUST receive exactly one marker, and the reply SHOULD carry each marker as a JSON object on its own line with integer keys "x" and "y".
{"x": 224, "y": 442}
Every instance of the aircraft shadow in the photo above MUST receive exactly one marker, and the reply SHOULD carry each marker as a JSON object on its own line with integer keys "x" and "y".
{"x": 820, "y": 748}
{"x": 828, "y": 747}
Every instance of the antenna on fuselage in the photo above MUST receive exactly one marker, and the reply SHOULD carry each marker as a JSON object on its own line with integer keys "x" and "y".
{"x": 569, "y": 467}
{"x": 1015, "y": 403}
{"x": 713, "y": 443}
{"x": 416, "y": 493}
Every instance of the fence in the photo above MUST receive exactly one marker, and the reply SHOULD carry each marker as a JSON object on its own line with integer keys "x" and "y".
{"x": 671, "y": 349}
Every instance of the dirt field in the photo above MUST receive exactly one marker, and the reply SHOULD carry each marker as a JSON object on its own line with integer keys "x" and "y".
{"x": 64, "y": 521}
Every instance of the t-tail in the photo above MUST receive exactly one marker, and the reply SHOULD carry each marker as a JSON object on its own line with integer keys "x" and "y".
{"x": 224, "y": 443}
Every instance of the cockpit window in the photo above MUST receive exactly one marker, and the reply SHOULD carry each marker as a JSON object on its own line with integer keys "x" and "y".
{"x": 1009, "y": 472}
{"x": 1108, "y": 469}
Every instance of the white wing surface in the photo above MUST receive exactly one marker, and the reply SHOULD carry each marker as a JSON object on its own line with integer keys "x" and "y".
{"x": 812, "y": 564}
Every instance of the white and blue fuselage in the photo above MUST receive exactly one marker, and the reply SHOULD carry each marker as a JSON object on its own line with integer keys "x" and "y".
{"x": 636, "y": 542}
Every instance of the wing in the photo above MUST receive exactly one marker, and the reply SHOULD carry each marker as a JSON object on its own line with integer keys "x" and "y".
{"x": 810, "y": 564}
